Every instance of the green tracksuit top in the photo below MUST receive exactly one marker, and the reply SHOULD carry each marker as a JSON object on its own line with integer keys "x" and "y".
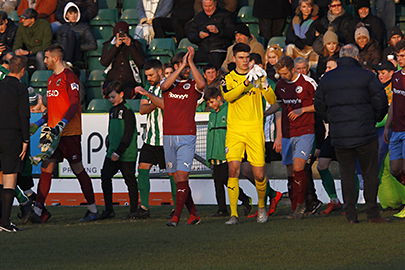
{"x": 216, "y": 134}
{"x": 122, "y": 133}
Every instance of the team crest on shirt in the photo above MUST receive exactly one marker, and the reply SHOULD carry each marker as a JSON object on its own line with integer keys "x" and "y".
{"x": 58, "y": 82}
{"x": 74, "y": 86}
{"x": 186, "y": 86}
{"x": 299, "y": 89}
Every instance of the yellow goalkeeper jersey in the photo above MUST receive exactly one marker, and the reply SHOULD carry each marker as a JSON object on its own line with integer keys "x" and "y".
{"x": 245, "y": 108}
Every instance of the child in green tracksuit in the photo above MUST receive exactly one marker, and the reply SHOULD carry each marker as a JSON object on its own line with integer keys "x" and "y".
{"x": 122, "y": 150}
{"x": 215, "y": 153}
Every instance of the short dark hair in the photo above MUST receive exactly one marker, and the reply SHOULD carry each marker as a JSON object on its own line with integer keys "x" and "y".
{"x": 255, "y": 57}
{"x": 240, "y": 47}
{"x": 72, "y": 9}
{"x": 111, "y": 87}
{"x": 177, "y": 58}
{"x": 167, "y": 65}
{"x": 285, "y": 61}
{"x": 3, "y": 15}
{"x": 17, "y": 63}
{"x": 55, "y": 48}
{"x": 400, "y": 46}
{"x": 212, "y": 92}
{"x": 152, "y": 63}
{"x": 209, "y": 66}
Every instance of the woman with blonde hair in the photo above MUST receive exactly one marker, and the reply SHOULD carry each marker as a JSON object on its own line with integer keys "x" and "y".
{"x": 272, "y": 55}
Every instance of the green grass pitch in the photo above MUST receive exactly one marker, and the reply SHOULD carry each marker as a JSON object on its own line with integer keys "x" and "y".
{"x": 322, "y": 243}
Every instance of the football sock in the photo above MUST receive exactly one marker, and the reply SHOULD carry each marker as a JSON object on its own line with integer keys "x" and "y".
{"x": 190, "y": 204}
{"x": 271, "y": 193}
{"x": 44, "y": 186}
{"x": 328, "y": 183}
{"x": 144, "y": 186}
{"x": 181, "y": 196}
{"x": 20, "y": 196}
{"x": 357, "y": 184}
{"x": 106, "y": 185}
{"x": 1, "y": 190}
{"x": 92, "y": 208}
{"x": 86, "y": 186}
{"x": 300, "y": 186}
{"x": 261, "y": 193}
{"x": 233, "y": 192}
{"x": 173, "y": 188}
{"x": 7, "y": 197}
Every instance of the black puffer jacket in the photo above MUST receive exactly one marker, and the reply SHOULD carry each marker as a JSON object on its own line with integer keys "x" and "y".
{"x": 344, "y": 26}
{"x": 7, "y": 38}
{"x": 88, "y": 9}
{"x": 222, "y": 19}
{"x": 353, "y": 100}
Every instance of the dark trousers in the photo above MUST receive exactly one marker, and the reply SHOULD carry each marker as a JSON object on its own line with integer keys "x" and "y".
{"x": 220, "y": 175}
{"x": 271, "y": 27}
{"x": 176, "y": 25}
{"x": 110, "y": 168}
{"x": 367, "y": 157}
{"x": 214, "y": 58}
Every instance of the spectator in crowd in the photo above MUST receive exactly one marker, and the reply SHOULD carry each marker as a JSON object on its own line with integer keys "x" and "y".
{"x": 167, "y": 69}
{"x": 272, "y": 17}
{"x": 374, "y": 25}
{"x": 273, "y": 54}
{"x": 302, "y": 32}
{"x": 7, "y": 33}
{"x": 14, "y": 134}
{"x": 33, "y": 37}
{"x": 242, "y": 35}
{"x": 45, "y": 8}
{"x": 182, "y": 12}
{"x": 36, "y": 101}
{"x": 330, "y": 50}
{"x": 8, "y": 5}
{"x": 213, "y": 78}
{"x": 148, "y": 10}
{"x": 341, "y": 21}
{"x": 88, "y": 9}
{"x": 212, "y": 30}
{"x": 229, "y": 5}
{"x": 75, "y": 36}
{"x": 122, "y": 151}
{"x": 369, "y": 51}
{"x": 394, "y": 36}
{"x": 353, "y": 100}
{"x": 386, "y": 12}
{"x": 123, "y": 57}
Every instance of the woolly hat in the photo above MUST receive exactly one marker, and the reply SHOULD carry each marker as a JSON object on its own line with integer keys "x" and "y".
{"x": 32, "y": 96}
{"x": 362, "y": 3}
{"x": 361, "y": 32}
{"x": 385, "y": 65}
{"x": 121, "y": 26}
{"x": 330, "y": 36}
{"x": 395, "y": 31}
{"x": 242, "y": 29}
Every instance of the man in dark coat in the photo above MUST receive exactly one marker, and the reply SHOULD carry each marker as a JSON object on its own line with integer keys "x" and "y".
{"x": 7, "y": 33}
{"x": 272, "y": 16}
{"x": 88, "y": 9}
{"x": 353, "y": 100}
{"x": 212, "y": 30}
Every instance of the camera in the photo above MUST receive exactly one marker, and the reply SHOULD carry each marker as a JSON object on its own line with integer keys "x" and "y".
{"x": 122, "y": 34}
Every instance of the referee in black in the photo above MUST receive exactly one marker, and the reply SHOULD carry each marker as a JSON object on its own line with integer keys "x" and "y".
{"x": 14, "y": 135}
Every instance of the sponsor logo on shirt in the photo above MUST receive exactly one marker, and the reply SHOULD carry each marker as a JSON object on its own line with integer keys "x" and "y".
{"x": 399, "y": 92}
{"x": 178, "y": 96}
{"x": 52, "y": 93}
{"x": 292, "y": 101}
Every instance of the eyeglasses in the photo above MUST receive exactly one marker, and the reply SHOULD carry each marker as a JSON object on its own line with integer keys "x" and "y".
{"x": 335, "y": 5}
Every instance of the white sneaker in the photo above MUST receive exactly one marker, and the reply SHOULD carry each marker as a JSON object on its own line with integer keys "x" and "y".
{"x": 261, "y": 215}
{"x": 232, "y": 221}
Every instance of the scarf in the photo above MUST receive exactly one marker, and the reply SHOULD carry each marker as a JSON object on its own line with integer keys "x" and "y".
{"x": 332, "y": 17}
{"x": 300, "y": 29}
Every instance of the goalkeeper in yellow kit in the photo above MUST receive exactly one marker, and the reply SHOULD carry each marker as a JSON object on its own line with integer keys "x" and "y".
{"x": 243, "y": 90}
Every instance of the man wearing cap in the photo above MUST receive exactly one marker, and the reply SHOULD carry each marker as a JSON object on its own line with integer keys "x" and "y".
{"x": 33, "y": 37}
{"x": 353, "y": 100}
{"x": 242, "y": 35}
{"x": 394, "y": 36}
{"x": 7, "y": 33}
{"x": 374, "y": 24}
{"x": 212, "y": 30}
{"x": 120, "y": 54}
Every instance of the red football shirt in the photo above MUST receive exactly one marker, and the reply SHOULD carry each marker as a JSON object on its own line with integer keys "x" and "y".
{"x": 180, "y": 106}
{"x": 398, "y": 101}
{"x": 63, "y": 91}
{"x": 294, "y": 95}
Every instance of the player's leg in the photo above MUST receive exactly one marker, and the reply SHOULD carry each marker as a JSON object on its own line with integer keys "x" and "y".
{"x": 245, "y": 172}
{"x": 108, "y": 170}
{"x": 144, "y": 187}
{"x": 397, "y": 154}
{"x": 128, "y": 172}
{"x": 328, "y": 184}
